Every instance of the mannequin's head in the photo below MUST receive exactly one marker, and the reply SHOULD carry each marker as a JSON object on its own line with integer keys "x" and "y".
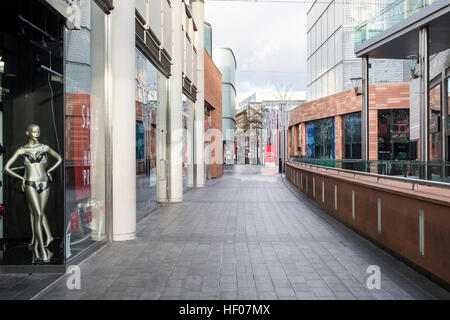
{"x": 33, "y": 132}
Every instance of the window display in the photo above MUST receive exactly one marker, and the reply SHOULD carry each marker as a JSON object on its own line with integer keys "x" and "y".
{"x": 352, "y": 135}
{"x": 31, "y": 103}
{"x": 320, "y": 139}
{"x": 147, "y": 78}
{"x": 85, "y": 128}
{"x": 393, "y": 135}
{"x": 188, "y": 144}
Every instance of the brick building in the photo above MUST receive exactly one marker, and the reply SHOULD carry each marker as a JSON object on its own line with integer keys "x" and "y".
{"x": 213, "y": 117}
{"x": 330, "y": 127}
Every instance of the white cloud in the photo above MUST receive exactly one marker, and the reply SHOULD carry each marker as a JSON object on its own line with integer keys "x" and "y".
{"x": 268, "y": 40}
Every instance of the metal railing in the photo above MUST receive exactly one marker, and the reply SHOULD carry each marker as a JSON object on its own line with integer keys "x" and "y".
{"x": 433, "y": 174}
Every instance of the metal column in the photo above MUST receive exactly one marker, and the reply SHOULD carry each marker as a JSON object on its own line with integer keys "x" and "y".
{"x": 424, "y": 93}
{"x": 365, "y": 109}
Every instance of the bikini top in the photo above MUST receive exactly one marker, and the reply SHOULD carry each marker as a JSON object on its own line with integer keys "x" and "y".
{"x": 41, "y": 158}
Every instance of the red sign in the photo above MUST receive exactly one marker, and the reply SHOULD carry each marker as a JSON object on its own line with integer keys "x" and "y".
{"x": 270, "y": 154}
{"x": 88, "y": 214}
{"x": 74, "y": 218}
{"x": 81, "y": 145}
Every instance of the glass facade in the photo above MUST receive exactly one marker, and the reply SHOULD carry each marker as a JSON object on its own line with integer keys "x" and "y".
{"x": 85, "y": 131}
{"x": 188, "y": 142}
{"x": 435, "y": 123}
{"x": 52, "y": 118}
{"x": 352, "y": 135}
{"x": 320, "y": 139}
{"x": 393, "y": 135}
{"x": 31, "y": 92}
{"x": 151, "y": 86}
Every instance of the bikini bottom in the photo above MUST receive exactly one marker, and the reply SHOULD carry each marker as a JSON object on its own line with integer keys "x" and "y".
{"x": 39, "y": 186}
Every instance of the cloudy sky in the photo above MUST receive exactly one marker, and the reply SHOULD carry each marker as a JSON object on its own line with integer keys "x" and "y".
{"x": 268, "y": 40}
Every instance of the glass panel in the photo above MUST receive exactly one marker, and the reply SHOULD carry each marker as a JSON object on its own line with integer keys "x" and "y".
{"x": 31, "y": 92}
{"x": 320, "y": 139}
{"x": 435, "y": 123}
{"x": 352, "y": 135}
{"x": 393, "y": 135}
{"x": 188, "y": 145}
{"x": 85, "y": 131}
{"x": 147, "y": 77}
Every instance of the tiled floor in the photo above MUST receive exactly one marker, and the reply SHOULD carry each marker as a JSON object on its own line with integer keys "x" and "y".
{"x": 244, "y": 236}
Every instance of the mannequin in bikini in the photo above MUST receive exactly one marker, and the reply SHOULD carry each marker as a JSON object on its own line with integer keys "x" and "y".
{"x": 35, "y": 185}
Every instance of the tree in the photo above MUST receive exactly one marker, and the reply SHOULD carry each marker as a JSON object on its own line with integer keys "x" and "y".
{"x": 255, "y": 120}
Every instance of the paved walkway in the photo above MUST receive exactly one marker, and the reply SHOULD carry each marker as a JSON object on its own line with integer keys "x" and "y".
{"x": 244, "y": 236}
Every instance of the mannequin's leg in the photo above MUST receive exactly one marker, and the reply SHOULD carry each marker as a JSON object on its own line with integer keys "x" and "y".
{"x": 43, "y": 200}
{"x": 32, "y": 226}
{"x": 33, "y": 200}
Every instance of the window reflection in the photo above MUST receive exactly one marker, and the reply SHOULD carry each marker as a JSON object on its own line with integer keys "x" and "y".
{"x": 393, "y": 135}
{"x": 320, "y": 139}
{"x": 352, "y": 135}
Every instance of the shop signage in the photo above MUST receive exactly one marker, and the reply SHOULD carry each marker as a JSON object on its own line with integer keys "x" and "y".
{"x": 270, "y": 155}
{"x": 70, "y": 9}
{"x": 74, "y": 218}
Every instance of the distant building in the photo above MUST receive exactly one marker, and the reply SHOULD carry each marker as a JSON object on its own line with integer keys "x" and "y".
{"x": 226, "y": 62}
{"x": 331, "y": 61}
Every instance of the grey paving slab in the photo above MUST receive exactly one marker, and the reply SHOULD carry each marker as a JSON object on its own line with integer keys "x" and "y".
{"x": 245, "y": 235}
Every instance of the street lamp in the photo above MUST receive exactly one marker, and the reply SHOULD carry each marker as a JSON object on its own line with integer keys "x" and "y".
{"x": 413, "y": 62}
{"x": 356, "y": 82}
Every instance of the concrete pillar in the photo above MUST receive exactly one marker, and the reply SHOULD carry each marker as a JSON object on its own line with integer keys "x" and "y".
{"x": 161, "y": 139}
{"x": 175, "y": 126}
{"x": 123, "y": 120}
{"x": 365, "y": 109}
{"x": 444, "y": 118}
{"x": 198, "y": 7}
{"x": 424, "y": 93}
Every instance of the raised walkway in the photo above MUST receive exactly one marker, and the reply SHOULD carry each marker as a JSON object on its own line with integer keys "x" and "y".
{"x": 244, "y": 236}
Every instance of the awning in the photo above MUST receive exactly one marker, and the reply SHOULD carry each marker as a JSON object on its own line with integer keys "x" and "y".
{"x": 402, "y": 39}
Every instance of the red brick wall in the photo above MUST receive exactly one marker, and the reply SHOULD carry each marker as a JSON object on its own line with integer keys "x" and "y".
{"x": 213, "y": 96}
{"x": 381, "y": 96}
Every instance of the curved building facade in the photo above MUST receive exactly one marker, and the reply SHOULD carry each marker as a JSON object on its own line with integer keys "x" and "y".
{"x": 226, "y": 62}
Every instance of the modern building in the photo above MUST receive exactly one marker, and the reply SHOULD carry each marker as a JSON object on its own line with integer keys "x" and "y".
{"x": 213, "y": 112}
{"x": 226, "y": 62}
{"x": 117, "y": 90}
{"x": 331, "y": 61}
{"x": 254, "y": 136}
{"x": 417, "y": 30}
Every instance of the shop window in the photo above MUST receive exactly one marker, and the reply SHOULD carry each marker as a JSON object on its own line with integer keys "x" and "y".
{"x": 320, "y": 139}
{"x": 352, "y": 135}
{"x": 393, "y": 135}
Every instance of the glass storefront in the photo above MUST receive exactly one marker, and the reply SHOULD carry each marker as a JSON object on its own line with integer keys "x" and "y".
{"x": 435, "y": 123}
{"x": 188, "y": 143}
{"x": 52, "y": 118}
{"x": 85, "y": 130}
{"x": 150, "y": 86}
{"x": 393, "y": 135}
{"x": 31, "y": 92}
{"x": 320, "y": 139}
{"x": 352, "y": 135}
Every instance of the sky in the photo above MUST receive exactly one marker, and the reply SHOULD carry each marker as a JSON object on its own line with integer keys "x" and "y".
{"x": 268, "y": 40}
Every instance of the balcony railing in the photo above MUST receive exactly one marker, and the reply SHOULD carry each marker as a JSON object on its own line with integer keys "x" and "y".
{"x": 388, "y": 17}
{"x": 438, "y": 171}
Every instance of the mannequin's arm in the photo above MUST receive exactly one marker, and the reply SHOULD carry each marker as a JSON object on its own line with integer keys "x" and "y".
{"x": 8, "y": 164}
{"x": 56, "y": 156}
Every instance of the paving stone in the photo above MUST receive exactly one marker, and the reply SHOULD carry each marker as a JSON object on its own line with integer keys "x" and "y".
{"x": 243, "y": 236}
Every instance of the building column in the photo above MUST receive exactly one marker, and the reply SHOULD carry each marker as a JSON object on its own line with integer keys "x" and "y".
{"x": 175, "y": 125}
{"x": 365, "y": 109}
{"x": 424, "y": 94}
{"x": 339, "y": 147}
{"x": 123, "y": 120}
{"x": 161, "y": 139}
{"x": 198, "y": 8}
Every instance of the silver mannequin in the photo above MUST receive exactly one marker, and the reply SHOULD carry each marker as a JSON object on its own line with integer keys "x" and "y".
{"x": 35, "y": 185}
